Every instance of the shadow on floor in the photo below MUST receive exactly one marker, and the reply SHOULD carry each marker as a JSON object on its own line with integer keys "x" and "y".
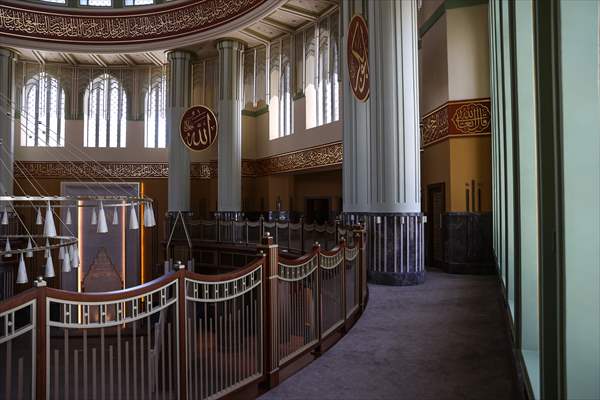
{"x": 443, "y": 340}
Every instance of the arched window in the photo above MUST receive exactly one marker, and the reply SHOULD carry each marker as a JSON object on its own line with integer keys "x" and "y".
{"x": 285, "y": 99}
{"x": 105, "y": 103}
{"x": 155, "y": 122}
{"x": 43, "y": 114}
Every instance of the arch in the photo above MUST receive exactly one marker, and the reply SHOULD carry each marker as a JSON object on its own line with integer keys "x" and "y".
{"x": 43, "y": 112}
{"x": 105, "y": 109}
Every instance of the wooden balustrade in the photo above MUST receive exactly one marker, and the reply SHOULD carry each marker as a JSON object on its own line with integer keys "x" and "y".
{"x": 183, "y": 335}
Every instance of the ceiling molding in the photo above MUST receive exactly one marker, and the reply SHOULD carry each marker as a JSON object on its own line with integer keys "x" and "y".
{"x": 39, "y": 57}
{"x": 299, "y": 13}
{"x": 280, "y": 26}
{"x": 256, "y": 36}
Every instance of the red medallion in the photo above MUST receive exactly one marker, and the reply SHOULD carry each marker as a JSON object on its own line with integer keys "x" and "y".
{"x": 198, "y": 128}
{"x": 358, "y": 57}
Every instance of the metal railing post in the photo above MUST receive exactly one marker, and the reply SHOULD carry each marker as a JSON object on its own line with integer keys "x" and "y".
{"x": 270, "y": 253}
{"x": 360, "y": 241}
{"x": 343, "y": 266}
{"x": 302, "y": 235}
{"x": 41, "y": 349}
{"x": 317, "y": 251}
{"x": 182, "y": 350}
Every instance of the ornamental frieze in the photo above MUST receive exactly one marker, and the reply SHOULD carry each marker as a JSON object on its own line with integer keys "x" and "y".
{"x": 456, "y": 119}
{"x": 322, "y": 156}
{"x": 317, "y": 157}
{"x": 166, "y": 23}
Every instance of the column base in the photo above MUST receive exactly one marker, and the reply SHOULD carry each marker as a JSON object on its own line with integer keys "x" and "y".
{"x": 395, "y": 247}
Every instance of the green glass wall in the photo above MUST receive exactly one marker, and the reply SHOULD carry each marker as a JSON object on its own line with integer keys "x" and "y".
{"x": 545, "y": 89}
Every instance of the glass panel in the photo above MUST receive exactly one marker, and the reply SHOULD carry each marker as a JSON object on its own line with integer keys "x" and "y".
{"x": 580, "y": 89}
{"x": 105, "y": 121}
{"x": 528, "y": 194}
{"x": 99, "y": 3}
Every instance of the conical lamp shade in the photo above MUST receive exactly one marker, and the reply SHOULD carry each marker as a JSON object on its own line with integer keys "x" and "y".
{"x": 147, "y": 220}
{"x": 115, "y": 220}
{"x": 94, "y": 216}
{"x": 47, "y": 251}
{"x": 38, "y": 217}
{"x": 133, "y": 221}
{"x": 61, "y": 251}
{"x": 49, "y": 272}
{"x": 102, "y": 228}
{"x": 75, "y": 257}
{"x": 66, "y": 265}
{"x": 68, "y": 219}
{"x": 5, "y": 217}
{"x": 29, "y": 248}
{"x": 7, "y": 249}
{"x": 153, "y": 220}
{"x": 22, "y": 271}
{"x": 49, "y": 228}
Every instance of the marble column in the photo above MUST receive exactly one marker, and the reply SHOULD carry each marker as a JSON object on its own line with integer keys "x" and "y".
{"x": 7, "y": 125}
{"x": 230, "y": 127}
{"x": 381, "y": 143}
{"x": 179, "y": 99}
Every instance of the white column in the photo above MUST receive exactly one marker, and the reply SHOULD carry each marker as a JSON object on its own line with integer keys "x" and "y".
{"x": 7, "y": 125}
{"x": 230, "y": 126}
{"x": 381, "y": 143}
{"x": 180, "y": 82}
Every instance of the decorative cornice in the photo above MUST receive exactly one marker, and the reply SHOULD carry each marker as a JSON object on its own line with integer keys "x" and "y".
{"x": 456, "y": 119}
{"x": 317, "y": 157}
{"x": 102, "y": 27}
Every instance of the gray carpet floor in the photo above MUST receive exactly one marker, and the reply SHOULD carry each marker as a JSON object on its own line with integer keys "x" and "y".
{"x": 443, "y": 340}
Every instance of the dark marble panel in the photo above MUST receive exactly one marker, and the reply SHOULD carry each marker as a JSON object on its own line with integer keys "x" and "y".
{"x": 395, "y": 247}
{"x": 468, "y": 243}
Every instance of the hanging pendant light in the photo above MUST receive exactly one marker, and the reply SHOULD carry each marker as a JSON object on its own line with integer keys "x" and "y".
{"x": 49, "y": 272}
{"x": 153, "y": 220}
{"x": 75, "y": 257}
{"x": 38, "y": 217}
{"x": 29, "y": 249}
{"x": 115, "y": 220}
{"x": 66, "y": 265}
{"x": 102, "y": 228}
{"x": 7, "y": 249}
{"x": 94, "y": 216}
{"x": 22, "y": 271}
{"x": 68, "y": 219}
{"x": 5, "y": 217}
{"x": 61, "y": 251}
{"x": 47, "y": 251}
{"x": 147, "y": 219}
{"x": 49, "y": 227}
{"x": 133, "y": 221}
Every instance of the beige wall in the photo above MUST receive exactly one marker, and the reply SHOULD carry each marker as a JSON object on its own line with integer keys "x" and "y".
{"x": 435, "y": 161}
{"x": 433, "y": 68}
{"x": 468, "y": 52}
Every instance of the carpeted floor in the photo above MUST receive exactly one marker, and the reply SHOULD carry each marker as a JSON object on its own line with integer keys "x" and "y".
{"x": 443, "y": 340}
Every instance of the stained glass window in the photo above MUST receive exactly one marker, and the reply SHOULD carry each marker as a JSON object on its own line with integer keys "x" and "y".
{"x": 43, "y": 114}
{"x": 155, "y": 122}
{"x": 105, "y": 102}
{"x": 138, "y": 2}
{"x": 96, "y": 3}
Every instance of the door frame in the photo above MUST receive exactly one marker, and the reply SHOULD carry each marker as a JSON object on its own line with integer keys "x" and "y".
{"x": 432, "y": 188}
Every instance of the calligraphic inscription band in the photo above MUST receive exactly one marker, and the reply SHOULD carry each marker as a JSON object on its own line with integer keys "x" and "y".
{"x": 198, "y": 128}
{"x": 358, "y": 57}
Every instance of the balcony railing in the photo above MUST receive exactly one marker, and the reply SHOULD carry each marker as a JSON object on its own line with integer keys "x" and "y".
{"x": 183, "y": 335}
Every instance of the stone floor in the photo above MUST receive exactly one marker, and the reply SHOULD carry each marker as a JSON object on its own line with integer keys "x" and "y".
{"x": 443, "y": 340}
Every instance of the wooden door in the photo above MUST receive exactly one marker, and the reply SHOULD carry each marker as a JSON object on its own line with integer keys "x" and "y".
{"x": 436, "y": 207}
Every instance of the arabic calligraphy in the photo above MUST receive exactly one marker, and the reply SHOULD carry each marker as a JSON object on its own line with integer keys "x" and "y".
{"x": 191, "y": 18}
{"x": 471, "y": 118}
{"x": 358, "y": 57}
{"x": 198, "y": 128}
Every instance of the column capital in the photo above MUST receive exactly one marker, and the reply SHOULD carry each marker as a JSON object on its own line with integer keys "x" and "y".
{"x": 8, "y": 52}
{"x": 230, "y": 43}
{"x": 178, "y": 55}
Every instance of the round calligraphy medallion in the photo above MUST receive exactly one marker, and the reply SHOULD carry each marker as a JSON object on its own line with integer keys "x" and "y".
{"x": 358, "y": 57}
{"x": 198, "y": 128}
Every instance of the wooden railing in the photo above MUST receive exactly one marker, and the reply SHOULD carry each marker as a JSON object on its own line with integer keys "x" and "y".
{"x": 298, "y": 236}
{"x": 183, "y": 335}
